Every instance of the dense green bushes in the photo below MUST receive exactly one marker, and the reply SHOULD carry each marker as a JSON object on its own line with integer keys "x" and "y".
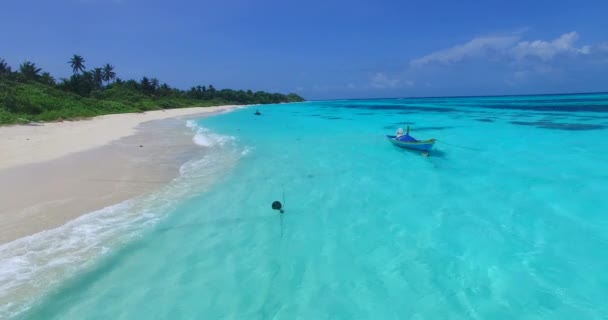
{"x": 29, "y": 95}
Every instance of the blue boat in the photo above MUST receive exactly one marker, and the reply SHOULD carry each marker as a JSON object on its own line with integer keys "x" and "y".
{"x": 409, "y": 142}
{"x": 421, "y": 145}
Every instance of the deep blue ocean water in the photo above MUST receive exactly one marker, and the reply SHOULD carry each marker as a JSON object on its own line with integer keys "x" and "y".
{"x": 506, "y": 219}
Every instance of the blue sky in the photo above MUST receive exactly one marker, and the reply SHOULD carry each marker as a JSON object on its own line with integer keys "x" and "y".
{"x": 323, "y": 49}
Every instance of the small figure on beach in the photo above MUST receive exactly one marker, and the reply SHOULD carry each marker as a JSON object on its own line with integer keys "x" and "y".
{"x": 257, "y": 113}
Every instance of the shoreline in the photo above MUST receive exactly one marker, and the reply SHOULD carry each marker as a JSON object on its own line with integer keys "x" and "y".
{"x": 66, "y": 170}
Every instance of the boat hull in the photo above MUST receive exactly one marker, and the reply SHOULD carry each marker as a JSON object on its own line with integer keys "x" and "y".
{"x": 422, "y": 145}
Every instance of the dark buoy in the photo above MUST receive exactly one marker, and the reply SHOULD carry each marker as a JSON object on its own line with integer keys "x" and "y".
{"x": 277, "y": 206}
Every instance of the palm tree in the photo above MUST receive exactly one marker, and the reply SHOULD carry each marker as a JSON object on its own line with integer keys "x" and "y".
{"x": 108, "y": 73}
{"x": 47, "y": 78}
{"x": 97, "y": 77}
{"x": 29, "y": 71}
{"x": 193, "y": 92}
{"x": 146, "y": 87}
{"x": 154, "y": 83}
{"x": 164, "y": 90}
{"x": 211, "y": 91}
{"x": 132, "y": 84}
{"x": 77, "y": 63}
{"x": 5, "y": 69}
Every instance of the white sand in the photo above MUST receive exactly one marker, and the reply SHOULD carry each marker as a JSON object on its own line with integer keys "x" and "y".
{"x": 25, "y": 144}
{"x": 69, "y": 169}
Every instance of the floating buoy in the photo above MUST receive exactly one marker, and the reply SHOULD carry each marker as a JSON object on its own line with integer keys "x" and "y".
{"x": 277, "y": 206}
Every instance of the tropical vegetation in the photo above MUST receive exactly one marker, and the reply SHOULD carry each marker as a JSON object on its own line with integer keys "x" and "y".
{"x": 29, "y": 94}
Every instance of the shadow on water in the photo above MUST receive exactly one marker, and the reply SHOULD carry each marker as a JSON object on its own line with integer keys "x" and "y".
{"x": 437, "y": 153}
{"x": 434, "y": 153}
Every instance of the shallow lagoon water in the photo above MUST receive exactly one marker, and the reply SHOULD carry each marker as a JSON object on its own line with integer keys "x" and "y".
{"x": 505, "y": 220}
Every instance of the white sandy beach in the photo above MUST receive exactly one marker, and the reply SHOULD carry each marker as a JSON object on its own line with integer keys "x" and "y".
{"x": 51, "y": 173}
{"x": 25, "y": 144}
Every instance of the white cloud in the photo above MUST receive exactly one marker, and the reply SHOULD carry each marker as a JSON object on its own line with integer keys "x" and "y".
{"x": 508, "y": 47}
{"x": 546, "y": 50}
{"x": 381, "y": 81}
{"x": 477, "y": 47}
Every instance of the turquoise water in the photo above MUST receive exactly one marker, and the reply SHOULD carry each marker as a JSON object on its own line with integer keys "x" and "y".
{"x": 507, "y": 218}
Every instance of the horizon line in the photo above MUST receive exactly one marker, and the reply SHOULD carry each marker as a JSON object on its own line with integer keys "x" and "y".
{"x": 468, "y": 96}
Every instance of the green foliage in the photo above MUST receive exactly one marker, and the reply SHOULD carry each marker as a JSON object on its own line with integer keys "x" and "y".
{"x": 27, "y": 95}
{"x": 5, "y": 116}
{"x": 146, "y": 86}
{"x": 29, "y": 71}
{"x": 97, "y": 75}
{"x": 5, "y": 69}
{"x": 47, "y": 79}
{"x": 81, "y": 84}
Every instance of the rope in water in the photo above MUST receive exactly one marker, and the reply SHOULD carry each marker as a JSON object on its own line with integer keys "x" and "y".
{"x": 455, "y": 145}
{"x": 283, "y": 188}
